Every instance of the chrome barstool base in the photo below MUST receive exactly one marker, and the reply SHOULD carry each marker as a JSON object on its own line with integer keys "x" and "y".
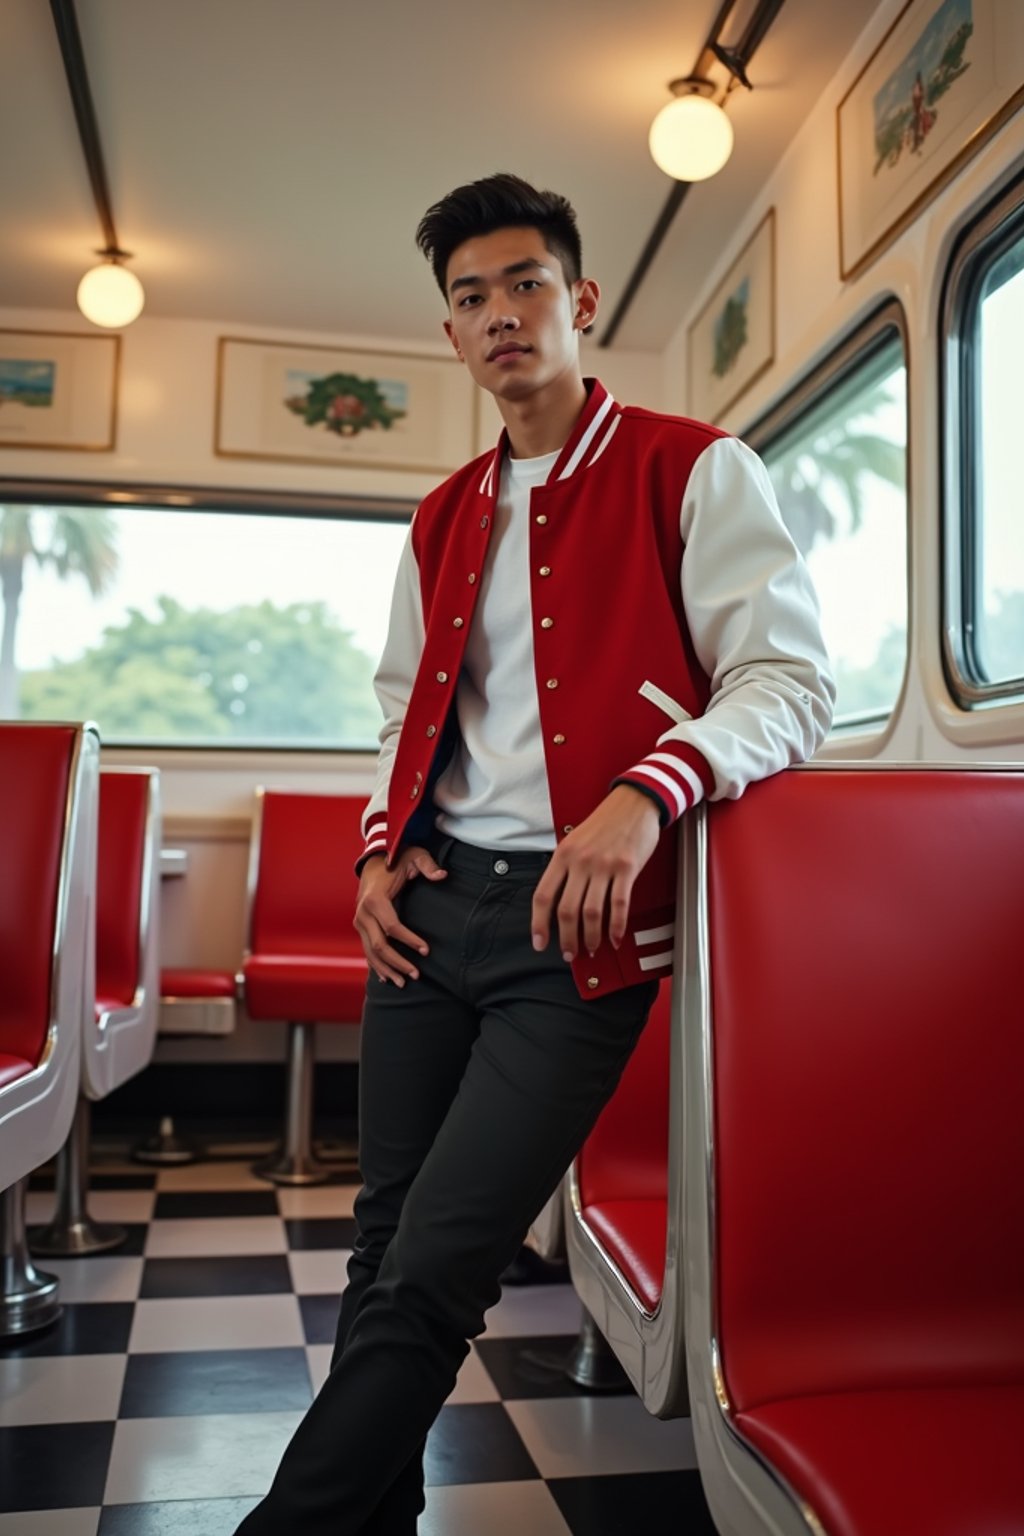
{"x": 593, "y": 1363}
{"x": 282, "y": 1168}
{"x": 28, "y": 1300}
{"x": 72, "y": 1241}
{"x": 166, "y": 1149}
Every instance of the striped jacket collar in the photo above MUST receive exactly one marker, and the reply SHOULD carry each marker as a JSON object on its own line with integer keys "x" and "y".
{"x": 589, "y": 438}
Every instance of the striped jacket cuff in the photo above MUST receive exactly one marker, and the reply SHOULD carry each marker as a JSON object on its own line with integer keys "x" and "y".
{"x": 676, "y": 773}
{"x": 375, "y": 834}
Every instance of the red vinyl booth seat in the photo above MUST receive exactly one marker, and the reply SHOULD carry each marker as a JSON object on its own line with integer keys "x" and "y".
{"x": 182, "y": 982}
{"x": 621, "y": 1171}
{"x": 868, "y": 1057}
{"x": 119, "y": 874}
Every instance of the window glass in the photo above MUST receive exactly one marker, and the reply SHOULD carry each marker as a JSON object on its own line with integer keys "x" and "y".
{"x": 997, "y": 525}
{"x": 193, "y": 627}
{"x": 840, "y": 475}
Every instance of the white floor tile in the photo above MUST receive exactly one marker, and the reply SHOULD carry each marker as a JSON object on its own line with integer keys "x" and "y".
{"x": 207, "y": 1176}
{"x": 102, "y": 1204}
{"x": 319, "y": 1357}
{"x": 216, "y": 1322}
{"x": 534, "y": 1309}
{"x": 318, "y": 1200}
{"x": 499, "y": 1509}
{"x": 588, "y": 1436}
{"x": 473, "y": 1384}
{"x": 319, "y": 1271}
{"x": 96, "y": 1279}
{"x": 51, "y": 1522}
{"x": 196, "y": 1456}
{"x": 60, "y": 1389}
{"x": 208, "y": 1237}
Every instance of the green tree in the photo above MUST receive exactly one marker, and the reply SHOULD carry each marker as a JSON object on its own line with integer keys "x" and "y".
{"x": 840, "y": 456}
{"x": 255, "y": 673}
{"x": 75, "y": 543}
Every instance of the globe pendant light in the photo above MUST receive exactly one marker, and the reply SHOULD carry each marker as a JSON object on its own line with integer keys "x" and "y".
{"x": 110, "y": 295}
{"x": 691, "y": 138}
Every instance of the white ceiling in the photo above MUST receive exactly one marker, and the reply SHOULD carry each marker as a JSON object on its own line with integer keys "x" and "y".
{"x": 268, "y": 160}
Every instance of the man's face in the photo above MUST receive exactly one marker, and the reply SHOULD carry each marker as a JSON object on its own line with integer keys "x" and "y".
{"x": 513, "y": 318}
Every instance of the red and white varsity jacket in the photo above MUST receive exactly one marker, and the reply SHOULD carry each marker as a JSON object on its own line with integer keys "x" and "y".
{"x": 670, "y": 607}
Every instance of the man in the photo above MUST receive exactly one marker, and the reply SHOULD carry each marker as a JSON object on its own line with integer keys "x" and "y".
{"x": 593, "y": 627}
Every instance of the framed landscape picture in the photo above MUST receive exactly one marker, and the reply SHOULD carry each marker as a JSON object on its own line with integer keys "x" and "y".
{"x": 943, "y": 79}
{"x": 732, "y": 340}
{"x": 330, "y": 405}
{"x": 58, "y": 390}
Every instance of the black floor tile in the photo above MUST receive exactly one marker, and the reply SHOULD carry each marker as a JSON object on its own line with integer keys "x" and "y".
{"x": 307, "y": 1232}
{"x": 44, "y": 1179}
{"x": 54, "y": 1466}
{"x": 476, "y": 1443}
{"x": 255, "y": 1274}
{"x": 215, "y": 1381}
{"x": 84, "y": 1328}
{"x": 536, "y": 1367}
{"x": 319, "y": 1318}
{"x": 187, "y": 1205}
{"x": 183, "y": 1517}
{"x": 654, "y": 1503}
{"x": 133, "y": 1247}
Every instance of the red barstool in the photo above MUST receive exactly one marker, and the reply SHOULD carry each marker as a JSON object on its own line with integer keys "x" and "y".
{"x": 303, "y": 963}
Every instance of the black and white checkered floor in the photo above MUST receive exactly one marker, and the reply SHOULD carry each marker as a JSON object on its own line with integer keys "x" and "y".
{"x": 160, "y": 1402}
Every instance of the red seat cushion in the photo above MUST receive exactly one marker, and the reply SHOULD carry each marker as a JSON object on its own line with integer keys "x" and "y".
{"x": 321, "y": 989}
{"x": 11, "y": 1068}
{"x": 188, "y": 983}
{"x": 634, "y": 1234}
{"x": 935, "y": 1462}
{"x": 622, "y": 1168}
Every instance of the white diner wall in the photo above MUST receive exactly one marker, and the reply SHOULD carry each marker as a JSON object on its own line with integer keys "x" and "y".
{"x": 814, "y": 308}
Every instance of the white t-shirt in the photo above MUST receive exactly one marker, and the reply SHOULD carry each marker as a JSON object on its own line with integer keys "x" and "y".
{"x": 494, "y": 792}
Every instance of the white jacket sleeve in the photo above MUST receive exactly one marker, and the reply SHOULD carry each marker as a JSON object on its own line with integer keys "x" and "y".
{"x": 392, "y": 684}
{"x": 753, "y": 617}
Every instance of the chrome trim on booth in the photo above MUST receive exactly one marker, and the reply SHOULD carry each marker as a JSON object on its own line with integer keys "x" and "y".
{"x": 580, "y": 1222}
{"x": 255, "y": 837}
{"x": 84, "y": 731}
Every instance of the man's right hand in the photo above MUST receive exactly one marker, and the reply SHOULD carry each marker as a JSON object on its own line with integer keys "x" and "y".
{"x": 376, "y": 920}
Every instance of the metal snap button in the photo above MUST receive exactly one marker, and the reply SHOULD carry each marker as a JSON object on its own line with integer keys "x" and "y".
{"x": 592, "y": 981}
{"x": 442, "y": 677}
{"x": 501, "y": 866}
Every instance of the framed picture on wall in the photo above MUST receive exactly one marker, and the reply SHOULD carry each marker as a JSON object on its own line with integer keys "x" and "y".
{"x": 58, "y": 390}
{"x": 946, "y": 75}
{"x": 732, "y": 340}
{"x": 332, "y": 405}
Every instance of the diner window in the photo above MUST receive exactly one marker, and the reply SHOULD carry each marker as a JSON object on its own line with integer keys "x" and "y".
{"x": 836, "y": 452}
{"x": 984, "y": 629}
{"x": 176, "y": 626}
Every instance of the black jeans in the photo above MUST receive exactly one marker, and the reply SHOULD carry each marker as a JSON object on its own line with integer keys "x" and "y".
{"x": 478, "y": 1084}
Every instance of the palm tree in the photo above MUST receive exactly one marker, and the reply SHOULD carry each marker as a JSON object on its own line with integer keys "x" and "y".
{"x": 839, "y": 455}
{"x": 75, "y": 543}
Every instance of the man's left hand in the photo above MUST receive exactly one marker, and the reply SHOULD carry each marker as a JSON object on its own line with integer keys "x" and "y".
{"x": 592, "y": 872}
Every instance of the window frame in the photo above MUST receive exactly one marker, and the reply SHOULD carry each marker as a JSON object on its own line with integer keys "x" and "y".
{"x": 998, "y": 227}
{"x": 851, "y": 352}
{"x": 83, "y": 493}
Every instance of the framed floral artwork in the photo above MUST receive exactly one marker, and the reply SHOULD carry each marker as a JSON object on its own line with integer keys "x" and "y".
{"x": 732, "y": 340}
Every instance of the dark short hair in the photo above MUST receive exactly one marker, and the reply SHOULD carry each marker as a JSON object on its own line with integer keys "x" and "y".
{"x": 499, "y": 202}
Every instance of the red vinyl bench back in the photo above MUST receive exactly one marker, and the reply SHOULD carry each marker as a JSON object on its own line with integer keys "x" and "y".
{"x": 304, "y": 883}
{"x": 869, "y": 1154}
{"x": 120, "y": 863}
{"x": 35, "y": 770}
